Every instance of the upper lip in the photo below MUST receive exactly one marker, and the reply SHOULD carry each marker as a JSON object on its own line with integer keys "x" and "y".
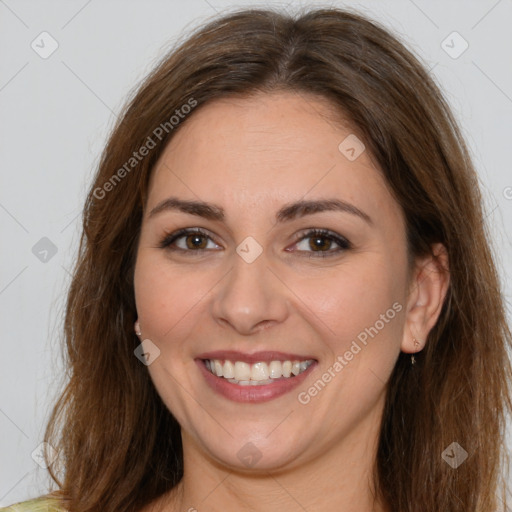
{"x": 254, "y": 357}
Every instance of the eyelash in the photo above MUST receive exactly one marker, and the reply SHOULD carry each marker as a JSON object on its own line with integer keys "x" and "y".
{"x": 343, "y": 243}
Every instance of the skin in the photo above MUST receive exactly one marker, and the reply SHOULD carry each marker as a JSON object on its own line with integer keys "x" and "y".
{"x": 251, "y": 156}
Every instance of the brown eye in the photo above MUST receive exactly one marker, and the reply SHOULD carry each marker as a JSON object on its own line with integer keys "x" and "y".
{"x": 322, "y": 243}
{"x": 188, "y": 240}
{"x": 195, "y": 241}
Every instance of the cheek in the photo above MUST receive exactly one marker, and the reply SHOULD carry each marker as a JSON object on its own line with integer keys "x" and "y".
{"x": 358, "y": 302}
{"x": 359, "y": 315}
{"x": 165, "y": 296}
{"x": 167, "y": 302}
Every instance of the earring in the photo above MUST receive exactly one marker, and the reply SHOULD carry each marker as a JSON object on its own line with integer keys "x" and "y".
{"x": 416, "y": 344}
{"x": 137, "y": 329}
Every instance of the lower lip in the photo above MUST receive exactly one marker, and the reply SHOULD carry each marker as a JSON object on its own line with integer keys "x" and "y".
{"x": 252, "y": 393}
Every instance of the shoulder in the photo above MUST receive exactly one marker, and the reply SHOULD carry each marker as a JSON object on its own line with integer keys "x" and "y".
{"x": 42, "y": 504}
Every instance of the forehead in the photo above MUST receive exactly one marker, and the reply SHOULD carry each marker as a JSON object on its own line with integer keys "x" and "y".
{"x": 266, "y": 150}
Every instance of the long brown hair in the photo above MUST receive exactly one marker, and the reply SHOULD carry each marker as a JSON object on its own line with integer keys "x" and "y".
{"x": 120, "y": 446}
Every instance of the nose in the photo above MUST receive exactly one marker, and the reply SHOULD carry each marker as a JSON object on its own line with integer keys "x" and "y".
{"x": 250, "y": 298}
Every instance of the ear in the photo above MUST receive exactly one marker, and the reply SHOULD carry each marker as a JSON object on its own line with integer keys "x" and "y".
{"x": 427, "y": 291}
{"x": 136, "y": 326}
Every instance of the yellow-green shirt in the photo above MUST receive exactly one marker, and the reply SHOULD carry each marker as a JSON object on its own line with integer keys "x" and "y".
{"x": 42, "y": 504}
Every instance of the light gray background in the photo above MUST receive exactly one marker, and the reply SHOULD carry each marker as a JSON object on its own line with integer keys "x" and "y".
{"x": 55, "y": 115}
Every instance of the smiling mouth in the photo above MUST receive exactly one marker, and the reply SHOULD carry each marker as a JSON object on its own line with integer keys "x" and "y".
{"x": 256, "y": 374}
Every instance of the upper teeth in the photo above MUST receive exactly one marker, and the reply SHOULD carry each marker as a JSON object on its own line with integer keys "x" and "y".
{"x": 245, "y": 373}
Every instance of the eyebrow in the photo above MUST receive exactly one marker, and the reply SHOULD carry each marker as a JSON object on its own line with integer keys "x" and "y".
{"x": 287, "y": 213}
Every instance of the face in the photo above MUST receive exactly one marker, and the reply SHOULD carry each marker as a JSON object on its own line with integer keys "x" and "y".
{"x": 297, "y": 264}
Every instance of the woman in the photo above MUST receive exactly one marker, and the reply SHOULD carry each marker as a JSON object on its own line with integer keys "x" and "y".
{"x": 285, "y": 297}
